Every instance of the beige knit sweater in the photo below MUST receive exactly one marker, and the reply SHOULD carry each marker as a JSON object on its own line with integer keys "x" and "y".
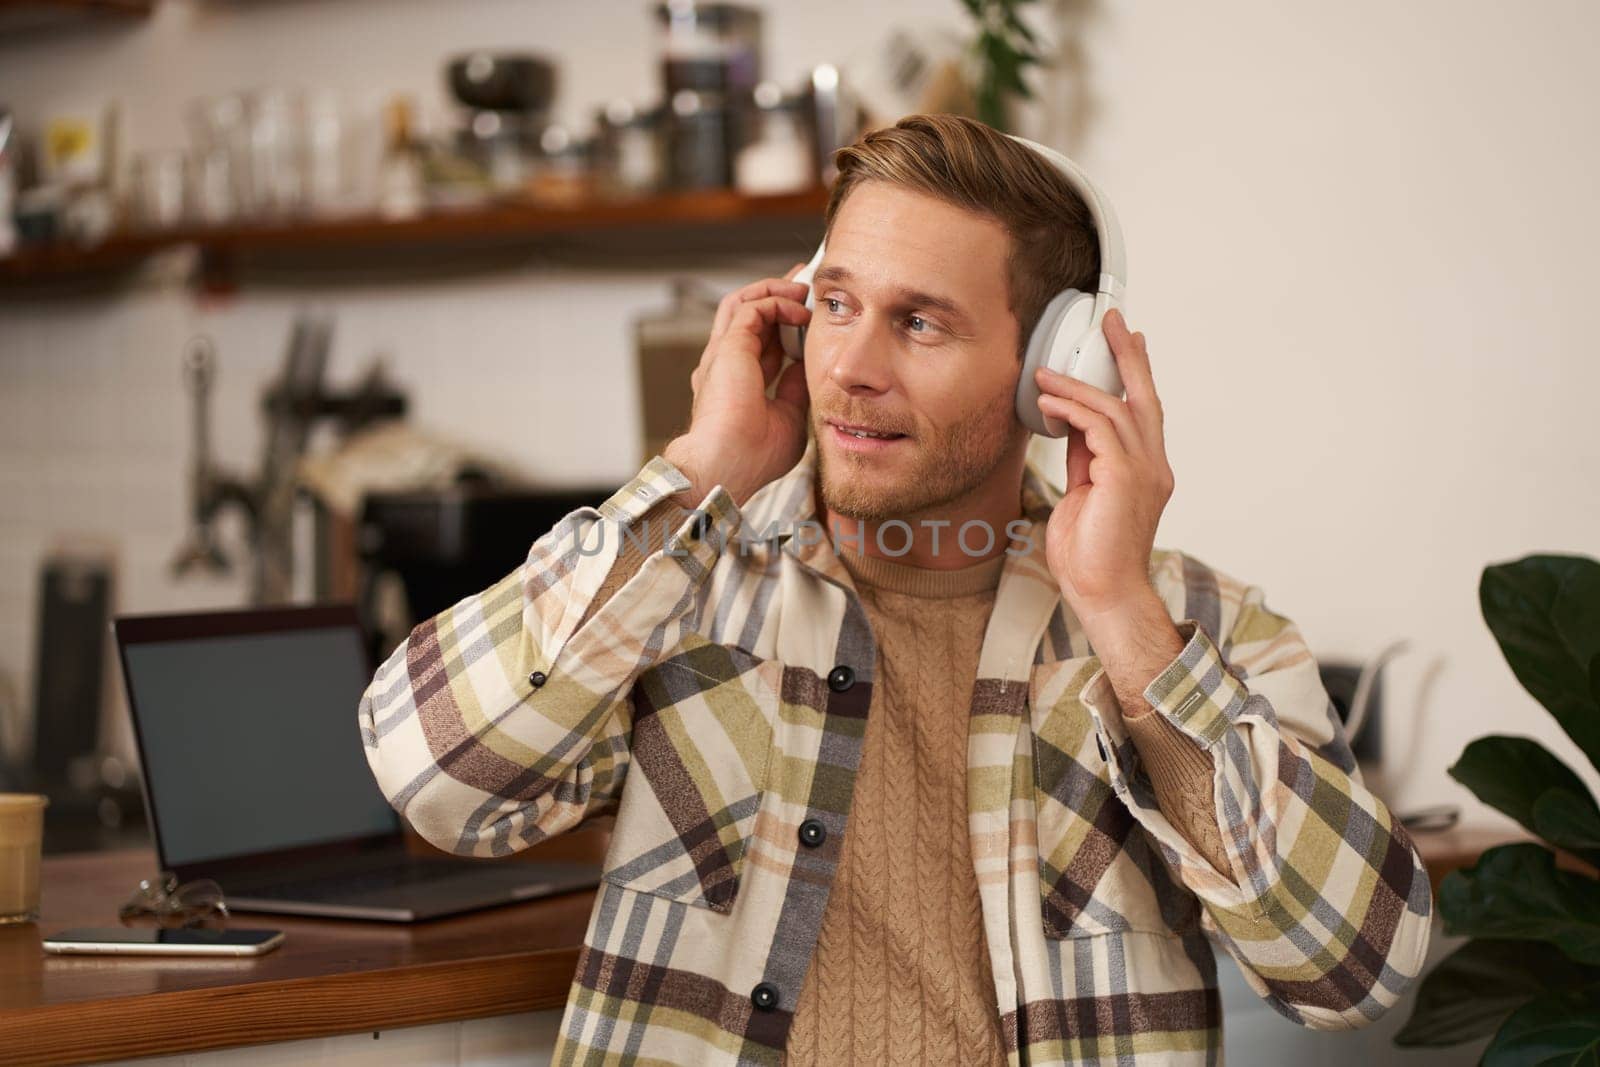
{"x": 901, "y": 975}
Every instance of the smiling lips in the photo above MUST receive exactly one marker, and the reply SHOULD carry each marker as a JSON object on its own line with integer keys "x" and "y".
{"x": 864, "y": 431}
{"x": 863, "y": 438}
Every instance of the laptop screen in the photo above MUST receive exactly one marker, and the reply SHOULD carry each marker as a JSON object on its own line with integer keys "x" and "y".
{"x": 250, "y": 741}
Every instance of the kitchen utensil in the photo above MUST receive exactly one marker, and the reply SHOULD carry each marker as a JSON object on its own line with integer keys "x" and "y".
{"x": 510, "y": 81}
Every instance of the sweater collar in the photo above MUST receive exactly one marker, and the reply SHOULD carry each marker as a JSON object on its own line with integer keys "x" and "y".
{"x": 892, "y": 576}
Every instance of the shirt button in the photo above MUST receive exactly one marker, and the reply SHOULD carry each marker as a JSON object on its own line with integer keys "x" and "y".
{"x": 536, "y": 679}
{"x": 764, "y": 996}
{"x": 813, "y": 833}
{"x": 841, "y": 678}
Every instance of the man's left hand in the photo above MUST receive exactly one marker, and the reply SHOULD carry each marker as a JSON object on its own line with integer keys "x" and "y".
{"x": 1101, "y": 533}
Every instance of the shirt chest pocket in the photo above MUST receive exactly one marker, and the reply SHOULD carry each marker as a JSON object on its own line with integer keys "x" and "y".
{"x": 699, "y": 754}
{"x": 1098, "y": 871}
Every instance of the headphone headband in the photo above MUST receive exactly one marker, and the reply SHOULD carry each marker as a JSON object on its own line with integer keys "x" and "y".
{"x": 1113, "y": 260}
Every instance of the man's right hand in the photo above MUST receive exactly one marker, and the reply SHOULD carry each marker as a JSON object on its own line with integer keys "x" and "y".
{"x": 737, "y": 437}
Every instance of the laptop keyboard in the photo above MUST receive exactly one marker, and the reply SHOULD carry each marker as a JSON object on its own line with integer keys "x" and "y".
{"x": 361, "y": 882}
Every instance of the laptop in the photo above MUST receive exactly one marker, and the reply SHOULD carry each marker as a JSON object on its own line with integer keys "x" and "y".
{"x": 255, "y": 776}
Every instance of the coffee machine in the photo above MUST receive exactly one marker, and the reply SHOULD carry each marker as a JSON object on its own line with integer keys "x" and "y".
{"x": 423, "y": 550}
{"x": 506, "y": 99}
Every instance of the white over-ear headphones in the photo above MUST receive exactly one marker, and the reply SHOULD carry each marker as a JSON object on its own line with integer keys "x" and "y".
{"x": 1068, "y": 337}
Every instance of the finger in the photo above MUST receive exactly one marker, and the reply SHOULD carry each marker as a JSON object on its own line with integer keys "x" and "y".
{"x": 1098, "y": 432}
{"x": 772, "y": 356}
{"x": 757, "y": 320}
{"x": 1149, "y": 399}
{"x": 1133, "y": 365}
{"x": 792, "y": 389}
{"x": 754, "y": 291}
{"x": 1078, "y": 458}
{"x": 796, "y": 269}
{"x": 759, "y": 317}
{"x": 1052, "y": 383}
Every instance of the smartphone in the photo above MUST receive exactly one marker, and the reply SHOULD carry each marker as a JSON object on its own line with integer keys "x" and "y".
{"x": 120, "y": 941}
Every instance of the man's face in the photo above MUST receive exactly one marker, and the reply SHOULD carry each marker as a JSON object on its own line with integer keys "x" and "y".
{"x": 912, "y": 336}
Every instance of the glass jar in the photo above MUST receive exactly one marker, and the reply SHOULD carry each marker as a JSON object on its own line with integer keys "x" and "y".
{"x": 565, "y": 171}
{"x": 629, "y": 148}
{"x": 780, "y": 157}
{"x": 160, "y": 192}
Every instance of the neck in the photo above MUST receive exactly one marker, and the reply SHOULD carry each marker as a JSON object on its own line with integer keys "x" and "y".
{"x": 935, "y": 540}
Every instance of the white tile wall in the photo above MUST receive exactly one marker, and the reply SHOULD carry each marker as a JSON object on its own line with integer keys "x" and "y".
{"x": 534, "y": 368}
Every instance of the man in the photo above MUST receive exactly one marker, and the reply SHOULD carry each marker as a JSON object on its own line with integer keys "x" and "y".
{"x": 912, "y": 758}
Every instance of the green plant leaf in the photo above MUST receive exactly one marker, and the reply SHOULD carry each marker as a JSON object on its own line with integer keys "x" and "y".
{"x": 1571, "y": 821}
{"x": 1515, "y": 891}
{"x": 1544, "y": 610}
{"x": 1557, "y": 1028}
{"x": 1020, "y": 28}
{"x": 1472, "y": 990}
{"x": 1001, "y": 50}
{"x": 1005, "y": 64}
{"x": 1510, "y": 774}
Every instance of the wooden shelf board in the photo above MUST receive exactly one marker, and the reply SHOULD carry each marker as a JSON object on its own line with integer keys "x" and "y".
{"x": 23, "y": 16}
{"x": 497, "y": 224}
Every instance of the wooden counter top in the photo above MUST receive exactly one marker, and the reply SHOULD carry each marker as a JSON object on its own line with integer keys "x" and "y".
{"x": 330, "y": 976}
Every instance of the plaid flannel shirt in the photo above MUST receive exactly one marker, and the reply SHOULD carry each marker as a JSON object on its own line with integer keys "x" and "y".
{"x": 716, "y": 703}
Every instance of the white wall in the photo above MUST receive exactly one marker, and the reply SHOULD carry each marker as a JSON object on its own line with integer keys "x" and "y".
{"x": 1360, "y": 240}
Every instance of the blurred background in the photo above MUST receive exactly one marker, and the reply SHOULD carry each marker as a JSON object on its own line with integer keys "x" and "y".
{"x": 351, "y": 299}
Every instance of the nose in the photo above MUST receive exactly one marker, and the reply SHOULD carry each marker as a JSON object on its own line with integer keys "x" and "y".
{"x": 860, "y": 358}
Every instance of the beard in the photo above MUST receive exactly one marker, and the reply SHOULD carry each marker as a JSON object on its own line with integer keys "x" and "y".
{"x": 939, "y": 467}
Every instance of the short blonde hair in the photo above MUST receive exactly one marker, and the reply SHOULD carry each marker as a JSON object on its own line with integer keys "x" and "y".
{"x": 969, "y": 164}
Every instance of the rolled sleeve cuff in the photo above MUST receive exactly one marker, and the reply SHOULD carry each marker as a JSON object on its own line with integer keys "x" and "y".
{"x": 656, "y": 479}
{"x": 700, "y": 536}
{"x": 1197, "y": 691}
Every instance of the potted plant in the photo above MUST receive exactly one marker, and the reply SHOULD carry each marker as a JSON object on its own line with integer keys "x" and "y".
{"x": 1531, "y": 973}
{"x": 1003, "y": 48}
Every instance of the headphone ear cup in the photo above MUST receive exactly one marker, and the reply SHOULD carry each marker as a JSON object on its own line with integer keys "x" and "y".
{"x": 1062, "y": 327}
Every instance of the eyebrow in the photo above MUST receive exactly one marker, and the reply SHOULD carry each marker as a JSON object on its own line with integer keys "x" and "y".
{"x": 913, "y": 297}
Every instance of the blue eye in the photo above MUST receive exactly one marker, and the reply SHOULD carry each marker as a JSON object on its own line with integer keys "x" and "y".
{"x": 917, "y": 318}
{"x": 830, "y": 301}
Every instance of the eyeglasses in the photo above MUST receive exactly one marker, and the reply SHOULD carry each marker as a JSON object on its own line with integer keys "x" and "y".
{"x": 175, "y": 904}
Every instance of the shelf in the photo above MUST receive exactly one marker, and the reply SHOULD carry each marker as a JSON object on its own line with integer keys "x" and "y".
{"x": 359, "y": 244}
{"x": 22, "y": 16}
